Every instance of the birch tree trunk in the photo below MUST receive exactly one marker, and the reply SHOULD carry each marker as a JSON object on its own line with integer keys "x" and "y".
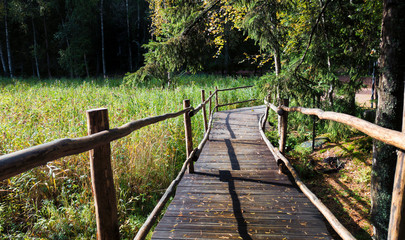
{"x": 277, "y": 61}
{"x": 48, "y": 62}
{"x": 139, "y": 41}
{"x": 35, "y": 48}
{"x": 102, "y": 37}
{"x": 129, "y": 38}
{"x": 3, "y": 62}
{"x": 389, "y": 112}
{"x": 10, "y": 63}
{"x": 86, "y": 65}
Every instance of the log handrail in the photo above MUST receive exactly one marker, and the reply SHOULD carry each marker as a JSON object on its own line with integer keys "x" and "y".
{"x": 223, "y": 105}
{"x": 148, "y": 224}
{"x": 200, "y": 106}
{"x": 144, "y": 230}
{"x": 386, "y": 135}
{"x": 333, "y": 221}
{"x": 26, "y": 159}
{"x": 230, "y": 89}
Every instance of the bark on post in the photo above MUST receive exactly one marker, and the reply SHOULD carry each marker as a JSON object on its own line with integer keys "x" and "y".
{"x": 188, "y": 133}
{"x": 283, "y": 122}
{"x": 203, "y": 110}
{"x": 314, "y": 127}
{"x": 102, "y": 178}
{"x": 210, "y": 109}
{"x": 216, "y": 97}
{"x": 278, "y": 117}
{"x": 396, "y": 228}
{"x": 266, "y": 115}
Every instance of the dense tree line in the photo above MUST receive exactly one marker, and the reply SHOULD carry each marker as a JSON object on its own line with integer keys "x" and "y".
{"x": 74, "y": 38}
{"x": 297, "y": 43}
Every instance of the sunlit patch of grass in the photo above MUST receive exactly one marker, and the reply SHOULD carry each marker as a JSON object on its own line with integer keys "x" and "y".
{"x": 55, "y": 201}
{"x": 345, "y": 192}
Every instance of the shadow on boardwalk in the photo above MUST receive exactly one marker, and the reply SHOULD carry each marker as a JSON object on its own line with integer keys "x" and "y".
{"x": 237, "y": 193}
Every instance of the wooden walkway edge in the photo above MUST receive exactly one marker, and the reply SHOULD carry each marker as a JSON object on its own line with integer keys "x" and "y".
{"x": 236, "y": 191}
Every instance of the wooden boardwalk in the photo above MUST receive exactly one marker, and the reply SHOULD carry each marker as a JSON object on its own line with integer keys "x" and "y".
{"x": 237, "y": 192}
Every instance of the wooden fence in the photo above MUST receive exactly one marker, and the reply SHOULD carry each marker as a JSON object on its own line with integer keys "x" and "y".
{"x": 397, "y": 223}
{"x": 98, "y": 144}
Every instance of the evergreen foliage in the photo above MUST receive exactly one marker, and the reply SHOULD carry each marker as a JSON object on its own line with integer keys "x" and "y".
{"x": 63, "y": 37}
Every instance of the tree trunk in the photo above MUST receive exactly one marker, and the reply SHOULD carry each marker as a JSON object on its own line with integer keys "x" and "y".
{"x": 70, "y": 59}
{"x": 140, "y": 40}
{"x": 10, "y": 64}
{"x": 86, "y": 65}
{"x": 329, "y": 94}
{"x": 98, "y": 64}
{"x": 3, "y": 62}
{"x": 35, "y": 48}
{"x": 102, "y": 37}
{"x": 389, "y": 112}
{"x": 226, "y": 46}
{"x": 69, "y": 55}
{"x": 129, "y": 38}
{"x": 48, "y": 62}
{"x": 277, "y": 62}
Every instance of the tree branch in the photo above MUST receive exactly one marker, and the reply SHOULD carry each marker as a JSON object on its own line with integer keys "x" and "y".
{"x": 198, "y": 18}
{"x": 312, "y": 34}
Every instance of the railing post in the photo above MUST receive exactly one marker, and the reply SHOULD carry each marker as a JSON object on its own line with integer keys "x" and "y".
{"x": 210, "y": 109}
{"x": 102, "y": 178}
{"x": 216, "y": 97}
{"x": 283, "y": 123}
{"x": 188, "y": 133}
{"x": 313, "y": 127}
{"x": 266, "y": 113}
{"x": 203, "y": 110}
{"x": 396, "y": 228}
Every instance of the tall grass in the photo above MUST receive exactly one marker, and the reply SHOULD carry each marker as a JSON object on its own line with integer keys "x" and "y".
{"x": 55, "y": 201}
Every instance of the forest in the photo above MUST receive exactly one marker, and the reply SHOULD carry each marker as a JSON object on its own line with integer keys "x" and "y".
{"x": 76, "y": 38}
{"x": 315, "y": 52}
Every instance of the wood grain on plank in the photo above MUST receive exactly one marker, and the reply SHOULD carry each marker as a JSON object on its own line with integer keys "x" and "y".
{"x": 236, "y": 191}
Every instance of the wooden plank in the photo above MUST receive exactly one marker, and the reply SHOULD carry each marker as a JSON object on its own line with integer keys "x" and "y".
{"x": 235, "y": 235}
{"x": 310, "y": 222}
{"x": 236, "y": 191}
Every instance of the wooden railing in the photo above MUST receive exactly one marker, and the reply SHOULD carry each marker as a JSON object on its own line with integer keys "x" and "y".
{"x": 98, "y": 143}
{"x": 388, "y": 136}
{"x": 192, "y": 154}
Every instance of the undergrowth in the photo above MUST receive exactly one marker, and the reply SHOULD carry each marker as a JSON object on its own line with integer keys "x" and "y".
{"x": 55, "y": 201}
{"x": 345, "y": 191}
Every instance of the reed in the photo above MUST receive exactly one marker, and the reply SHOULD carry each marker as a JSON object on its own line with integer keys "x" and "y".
{"x": 55, "y": 201}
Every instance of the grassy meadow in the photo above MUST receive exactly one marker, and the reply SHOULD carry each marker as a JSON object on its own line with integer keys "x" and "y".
{"x": 55, "y": 201}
